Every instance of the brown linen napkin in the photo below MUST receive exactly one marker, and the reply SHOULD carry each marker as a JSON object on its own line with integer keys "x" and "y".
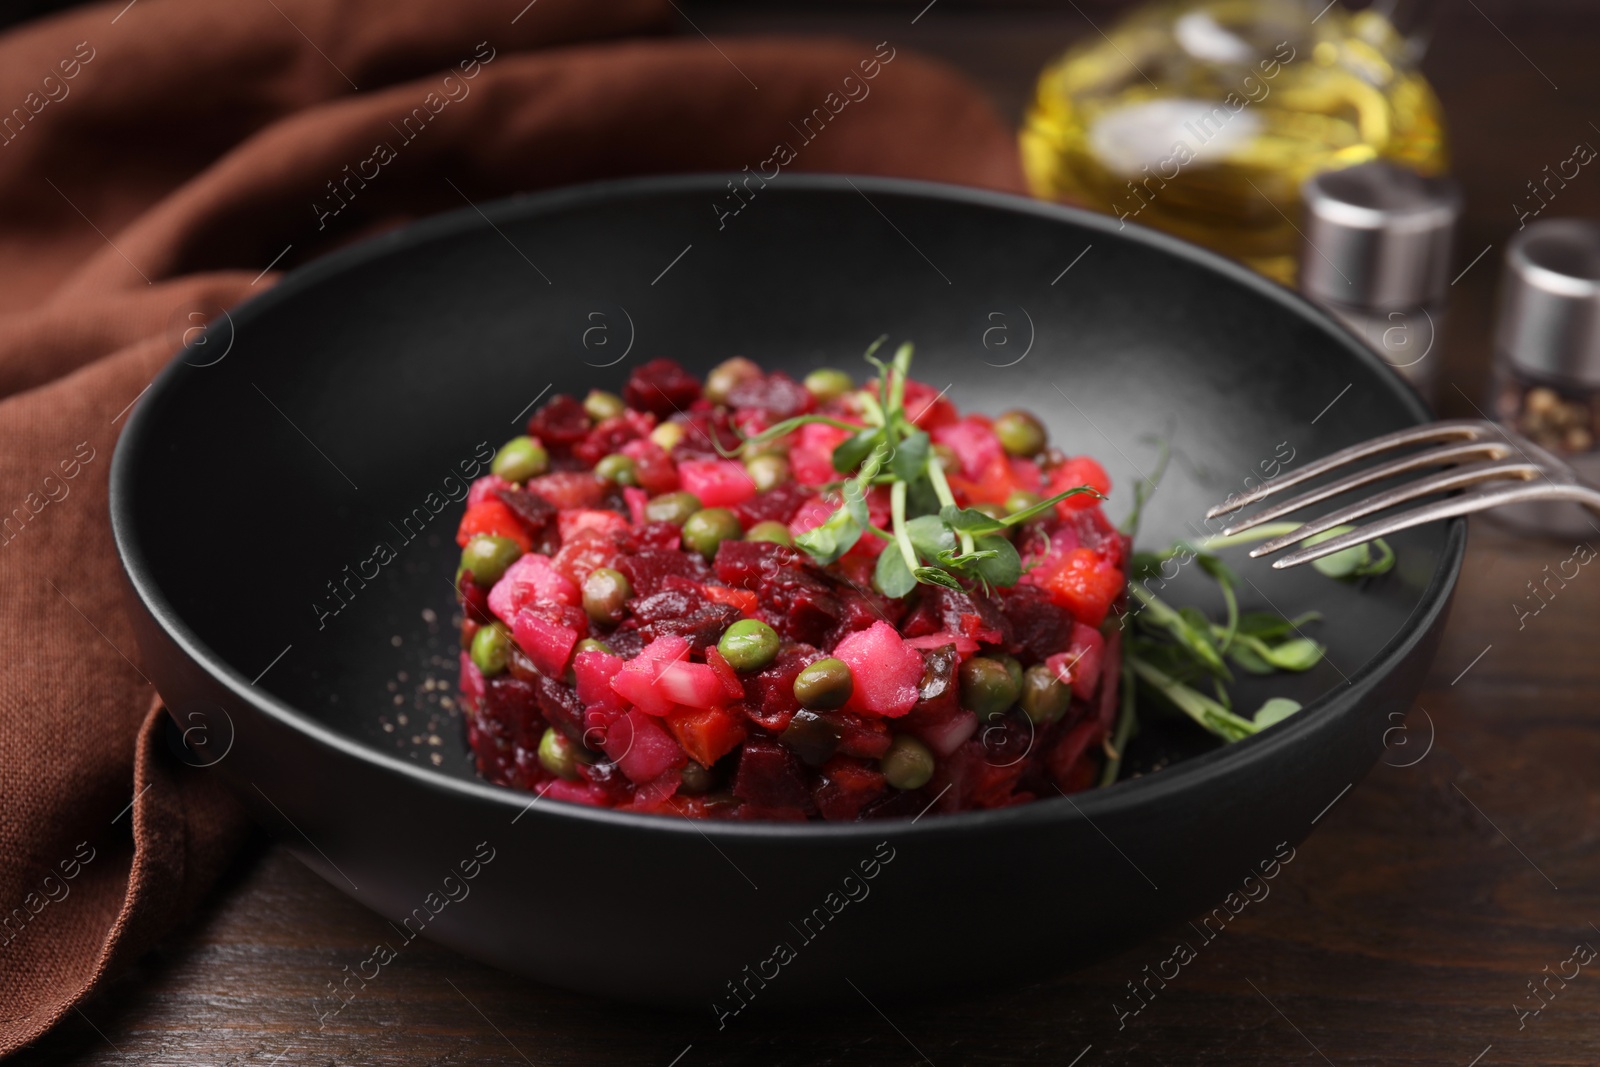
{"x": 158, "y": 160}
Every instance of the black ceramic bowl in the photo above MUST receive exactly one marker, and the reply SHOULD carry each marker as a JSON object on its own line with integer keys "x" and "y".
{"x": 260, "y": 472}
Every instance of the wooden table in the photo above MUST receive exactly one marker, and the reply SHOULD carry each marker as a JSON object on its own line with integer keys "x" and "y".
{"x": 1405, "y": 932}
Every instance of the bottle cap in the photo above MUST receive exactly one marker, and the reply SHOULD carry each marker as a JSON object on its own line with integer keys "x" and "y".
{"x": 1377, "y": 236}
{"x": 1549, "y": 320}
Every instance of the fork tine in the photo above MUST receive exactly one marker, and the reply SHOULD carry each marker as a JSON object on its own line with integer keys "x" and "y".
{"x": 1442, "y": 482}
{"x": 1455, "y": 429}
{"x": 1448, "y": 454}
{"x": 1466, "y": 504}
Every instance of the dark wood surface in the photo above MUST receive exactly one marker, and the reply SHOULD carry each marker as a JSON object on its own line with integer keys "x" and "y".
{"x": 1406, "y": 930}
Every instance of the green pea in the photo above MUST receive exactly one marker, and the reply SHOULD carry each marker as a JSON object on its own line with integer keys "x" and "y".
{"x": 1020, "y": 500}
{"x": 1045, "y": 698}
{"x": 727, "y": 376}
{"x": 617, "y": 468}
{"x": 908, "y": 764}
{"x": 519, "y": 459}
{"x": 491, "y": 649}
{"x": 667, "y": 435}
{"x": 1020, "y": 433}
{"x": 829, "y": 384}
{"x": 556, "y": 754}
{"x": 987, "y": 687}
{"x": 605, "y": 595}
{"x": 824, "y": 685}
{"x": 592, "y": 644}
{"x": 696, "y": 780}
{"x": 995, "y": 511}
{"x": 749, "y": 645}
{"x": 773, "y": 531}
{"x": 768, "y": 472}
{"x": 672, "y": 507}
{"x": 709, "y": 527}
{"x": 1013, "y": 667}
{"x": 948, "y": 459}
{"x": 602, "y": 405}
{"x": 486, "y": 557}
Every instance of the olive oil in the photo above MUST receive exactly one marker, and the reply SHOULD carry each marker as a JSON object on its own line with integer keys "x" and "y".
{"x": 1203, "y": 119}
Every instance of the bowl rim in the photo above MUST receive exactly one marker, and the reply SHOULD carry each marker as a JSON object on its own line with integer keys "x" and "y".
{"x": 1113, "y": 800}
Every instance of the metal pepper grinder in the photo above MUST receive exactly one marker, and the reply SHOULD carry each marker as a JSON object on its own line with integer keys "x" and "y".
{"x": 1547, "y": 360}
{"x": 1377, "y": 254}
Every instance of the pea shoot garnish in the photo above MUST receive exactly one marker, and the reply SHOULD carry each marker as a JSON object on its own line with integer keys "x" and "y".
{"x": 933, "y": 540}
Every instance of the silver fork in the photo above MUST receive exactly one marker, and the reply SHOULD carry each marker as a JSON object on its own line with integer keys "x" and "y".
{"x": 1493, "y": 467}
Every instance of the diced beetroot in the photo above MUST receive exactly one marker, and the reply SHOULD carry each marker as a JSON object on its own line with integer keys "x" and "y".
{"x": 821, "y": 438}
{"x": 860, "y": 736}
{"x": 641, "y": 748}
{"x": 811, "y": 466}
{"x": 1039, "y": 628}
{"x": 845, "y": 786}
{"x": 947, "y": 736}
{"x": 1079, "y": 665}
{"x": 638, "y": 679}
{"x": 927, "y": 407}
{"x": 474, "y": 599}
{"x": 510, "y": 711}
{"x": 661, "y": 387}
{"x": 886, "y": 672}
{"x": 682, "y": 608}
{"x": 531, "y": 580}
{"x": 534, "y": 512}
{"x": 706, "y": 734}
{"x": 939, "y": 638}
{"x": 486, "y": 488}
{"x": 769, "y": 699}
{"x": 1110, "y": 681}
{"x": 776, "y": 395}
{"x": 572, "y": 792}
{"x": 1071, "y": 748}
{"x": 778, "y": 504}
{"x": 746, "y": 564}
{"x": 1025, "y": 475}
{"x": 947, "y": 611}
{"x": 494, "y": 518}
{"x": 471, "y": 684}
{"x": 548, "y": 643}
{"x": 569, "y": 489}
{"x": 637, "y": 499}
{"x": 718, "y": 483}
{"x": 655, "y": 795}
{"x": 652, "y": 467}
{"x": 799, "y": 605}
{"x": 975, "y": 444}
{"x": 811, "y": 514}
{"x": 705, "y": 425}
{"x": 732, "y": 688}
{"x": 597, "y": 519}
{"x": 581, "y": 553}
{"x": 560, "y": 423}
{"x": 594, "y": 670}
{"x": 648, "y": 569}
{"x": 694, "y": 685}
{"x": 611, "y": 435}
{"x": 560, "y": 706}
{"x": 770, "y": 775}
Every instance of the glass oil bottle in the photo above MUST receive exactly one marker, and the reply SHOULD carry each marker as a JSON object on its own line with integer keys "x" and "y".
{"x": 1203, "y": 118}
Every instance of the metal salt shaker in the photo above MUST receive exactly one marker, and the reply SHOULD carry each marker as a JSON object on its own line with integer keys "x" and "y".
{"x": 1377, "y": 255}
{"x": 1547, "y": 359}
